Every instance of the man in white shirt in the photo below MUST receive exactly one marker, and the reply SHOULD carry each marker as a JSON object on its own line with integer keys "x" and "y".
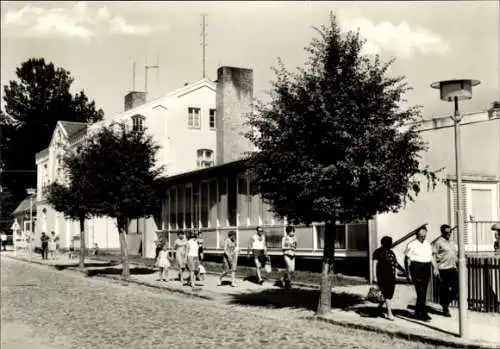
{"x": 419, "y": 255}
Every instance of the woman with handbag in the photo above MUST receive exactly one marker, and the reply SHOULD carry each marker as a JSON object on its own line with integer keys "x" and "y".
{"x": 386, "y": 273}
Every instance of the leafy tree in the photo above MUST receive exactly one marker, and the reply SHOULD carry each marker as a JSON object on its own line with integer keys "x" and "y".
{"x": 33, "y": 104}
{"x": 69, "y": 197}
{"x": 118, "y": 178}
{"x": 331, "y": 148}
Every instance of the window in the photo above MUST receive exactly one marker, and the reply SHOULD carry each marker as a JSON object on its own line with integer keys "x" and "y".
{"x": 205, "y": 158}
{"x": 193, "y": 117}
{"x": 137, "y": 123}
{"x": 212, "y": 119}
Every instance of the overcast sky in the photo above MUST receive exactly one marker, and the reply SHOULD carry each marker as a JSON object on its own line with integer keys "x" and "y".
{"x": 99, "y": 41}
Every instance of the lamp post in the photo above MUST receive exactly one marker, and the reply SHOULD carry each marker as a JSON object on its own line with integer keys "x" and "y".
{"x": 31, "y": 192}
{"x": 454, "y": 91}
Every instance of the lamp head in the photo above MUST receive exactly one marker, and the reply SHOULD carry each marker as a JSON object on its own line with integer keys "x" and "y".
{"x": 461, "y": 89}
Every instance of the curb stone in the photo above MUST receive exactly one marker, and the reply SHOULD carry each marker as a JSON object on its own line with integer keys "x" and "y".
{"x": 421, "y": 338}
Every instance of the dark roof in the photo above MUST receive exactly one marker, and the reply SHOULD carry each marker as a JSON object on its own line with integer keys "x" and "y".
{"x": 25, "y": 205}
{"x": 42, "y": 153}
{"x": 72, "y": 127}
{"x": 203, "y": 173}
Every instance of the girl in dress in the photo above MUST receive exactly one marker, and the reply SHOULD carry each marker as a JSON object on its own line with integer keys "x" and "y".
{"x": 53, "y": 245}
{"x": 289, "y": 245}
{"x": 163, "y": 264}
{"x": 180, "y": 253}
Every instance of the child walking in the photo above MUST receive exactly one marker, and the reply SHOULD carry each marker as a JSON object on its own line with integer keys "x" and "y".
{"x": 289, "y": 245}
{"x": 230, "y": 258}
{"x": 163, "y": 264}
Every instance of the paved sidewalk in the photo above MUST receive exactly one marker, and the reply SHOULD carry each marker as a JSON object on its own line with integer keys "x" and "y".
{"x": 349, "y": 307}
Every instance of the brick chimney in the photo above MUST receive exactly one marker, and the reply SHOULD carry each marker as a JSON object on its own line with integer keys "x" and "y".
{"x": 134, "y": 99}
{"x": 234, "y": 98}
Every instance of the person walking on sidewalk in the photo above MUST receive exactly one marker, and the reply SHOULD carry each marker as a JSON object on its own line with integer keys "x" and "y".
{"x": 193, "y": 261}
{"x": 289, "y": 245}
{"x": 258, "y": 249}
{"x": 3, "y": 238}
{"x": 53, "y": 245}
{"x": 45, "y": 245}
{"x": 387, "y": 265}
{"x": 229, "y": 258}
{"x": 159, "y": 247}
{"x": 162, "y": 263}
{"x": 180, "y": 253}
{"x": 418, "y": 255}
{"x": 445, "y": 254}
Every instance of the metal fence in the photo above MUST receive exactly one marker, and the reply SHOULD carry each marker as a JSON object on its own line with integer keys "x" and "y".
{"x": 483, "y": 284}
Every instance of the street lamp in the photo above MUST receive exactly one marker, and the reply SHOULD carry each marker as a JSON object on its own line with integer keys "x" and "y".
{"x": 454, "y": 91}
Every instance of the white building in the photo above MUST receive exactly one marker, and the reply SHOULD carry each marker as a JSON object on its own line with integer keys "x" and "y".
{"x": 182, "y": 123}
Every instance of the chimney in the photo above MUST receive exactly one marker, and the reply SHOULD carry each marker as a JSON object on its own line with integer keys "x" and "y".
{"x": 134, "y": 99}
{"x": 234, "y": 99}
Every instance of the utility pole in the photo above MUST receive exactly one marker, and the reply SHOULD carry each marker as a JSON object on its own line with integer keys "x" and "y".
{"x": 204, "y": 40}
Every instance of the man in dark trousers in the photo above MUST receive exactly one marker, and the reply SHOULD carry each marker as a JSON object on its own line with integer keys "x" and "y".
{"x": 419, "y": 255}
{"x": 45, "y": 246}
{"x": 445, "y": 254}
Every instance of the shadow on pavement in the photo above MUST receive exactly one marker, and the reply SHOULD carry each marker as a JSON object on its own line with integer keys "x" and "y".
{"x": 408, "y": 316}
{"x": 118, "y": 271}
{"x": 294, "y": 298}
{"x": 87, "y": 265}
{"x": 374, "y": 312}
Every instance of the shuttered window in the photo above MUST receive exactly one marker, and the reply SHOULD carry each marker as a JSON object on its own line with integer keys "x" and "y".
{"x": 453, "y": 209}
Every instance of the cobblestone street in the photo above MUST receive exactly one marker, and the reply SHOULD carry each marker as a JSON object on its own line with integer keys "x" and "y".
{"x": 47, "y": 309}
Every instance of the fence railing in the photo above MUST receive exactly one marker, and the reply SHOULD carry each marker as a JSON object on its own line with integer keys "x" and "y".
{"x": 483, "y": 274}
{"x": 481, "y": 238}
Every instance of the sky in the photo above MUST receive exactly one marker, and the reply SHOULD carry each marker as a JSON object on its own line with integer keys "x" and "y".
{"x": 98, "y": 42}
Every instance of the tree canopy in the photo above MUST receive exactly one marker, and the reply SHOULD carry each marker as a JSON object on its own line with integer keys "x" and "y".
{"x": 33, "y": 104}
{"x": 114, "y": 174}
{"x": 331, "y": 142}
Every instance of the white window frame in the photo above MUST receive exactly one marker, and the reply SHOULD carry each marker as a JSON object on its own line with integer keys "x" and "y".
{"x": 193, "y": 122}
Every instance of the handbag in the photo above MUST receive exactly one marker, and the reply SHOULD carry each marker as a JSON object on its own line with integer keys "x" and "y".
{"x": 375, "y": 295}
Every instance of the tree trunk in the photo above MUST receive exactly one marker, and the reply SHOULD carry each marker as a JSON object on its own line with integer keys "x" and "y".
{"x": 325, "y": 298}
{"x": 82, "y": 242}
{"x": 122, "y": 229}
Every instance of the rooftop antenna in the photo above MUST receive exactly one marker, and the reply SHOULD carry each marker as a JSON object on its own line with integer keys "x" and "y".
{"x": 146, "y": 75}
{"x": 204, "y": 40}
{"x": 133, "y": 77}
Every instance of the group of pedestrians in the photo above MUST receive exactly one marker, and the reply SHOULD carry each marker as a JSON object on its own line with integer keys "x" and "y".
{"x": 188, "y": 250}
{"x": 422, "y": 259}
{"x": 49, "y": 245}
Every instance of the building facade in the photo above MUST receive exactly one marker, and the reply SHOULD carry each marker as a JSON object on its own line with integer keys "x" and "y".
{"x": 223, "y": 198}
{"x": 182, "y": 123}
